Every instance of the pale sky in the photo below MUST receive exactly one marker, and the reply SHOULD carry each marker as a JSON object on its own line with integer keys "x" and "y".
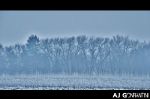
{"x": 16, "y": 26}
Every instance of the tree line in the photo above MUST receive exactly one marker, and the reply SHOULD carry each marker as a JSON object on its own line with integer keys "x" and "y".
{"x": 80, "y": 55}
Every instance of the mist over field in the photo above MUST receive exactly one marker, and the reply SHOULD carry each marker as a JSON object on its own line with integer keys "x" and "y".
{"x": 89, "y": 61}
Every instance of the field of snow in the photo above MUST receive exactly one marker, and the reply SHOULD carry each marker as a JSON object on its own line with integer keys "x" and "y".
{"x": 73, "y": 82}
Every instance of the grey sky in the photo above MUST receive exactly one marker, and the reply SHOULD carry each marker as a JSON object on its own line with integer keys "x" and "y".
{"x": 16, "y": 26}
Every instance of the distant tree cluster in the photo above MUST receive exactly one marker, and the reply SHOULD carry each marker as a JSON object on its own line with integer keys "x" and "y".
{"x": 81, "y": 55}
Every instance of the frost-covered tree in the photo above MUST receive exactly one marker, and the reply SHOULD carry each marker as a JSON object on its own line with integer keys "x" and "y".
{"x": 2, "y": 60}
{"x": 33, "y": 55}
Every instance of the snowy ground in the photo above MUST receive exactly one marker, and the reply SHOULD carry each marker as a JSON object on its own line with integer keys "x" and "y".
{"x": 73, "y": 82}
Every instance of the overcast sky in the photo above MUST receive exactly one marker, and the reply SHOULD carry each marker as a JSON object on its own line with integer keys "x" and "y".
{"x": 16, "y": 26}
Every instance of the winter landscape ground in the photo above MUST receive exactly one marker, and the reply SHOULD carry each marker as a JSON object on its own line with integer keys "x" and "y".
{"x": 74, "y": 82}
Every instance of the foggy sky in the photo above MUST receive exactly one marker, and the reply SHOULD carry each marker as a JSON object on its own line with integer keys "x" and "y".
{"x": 16, "y": 26}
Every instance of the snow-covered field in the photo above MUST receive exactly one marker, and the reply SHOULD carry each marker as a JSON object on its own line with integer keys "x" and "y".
{"x": 73, "y": 82}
